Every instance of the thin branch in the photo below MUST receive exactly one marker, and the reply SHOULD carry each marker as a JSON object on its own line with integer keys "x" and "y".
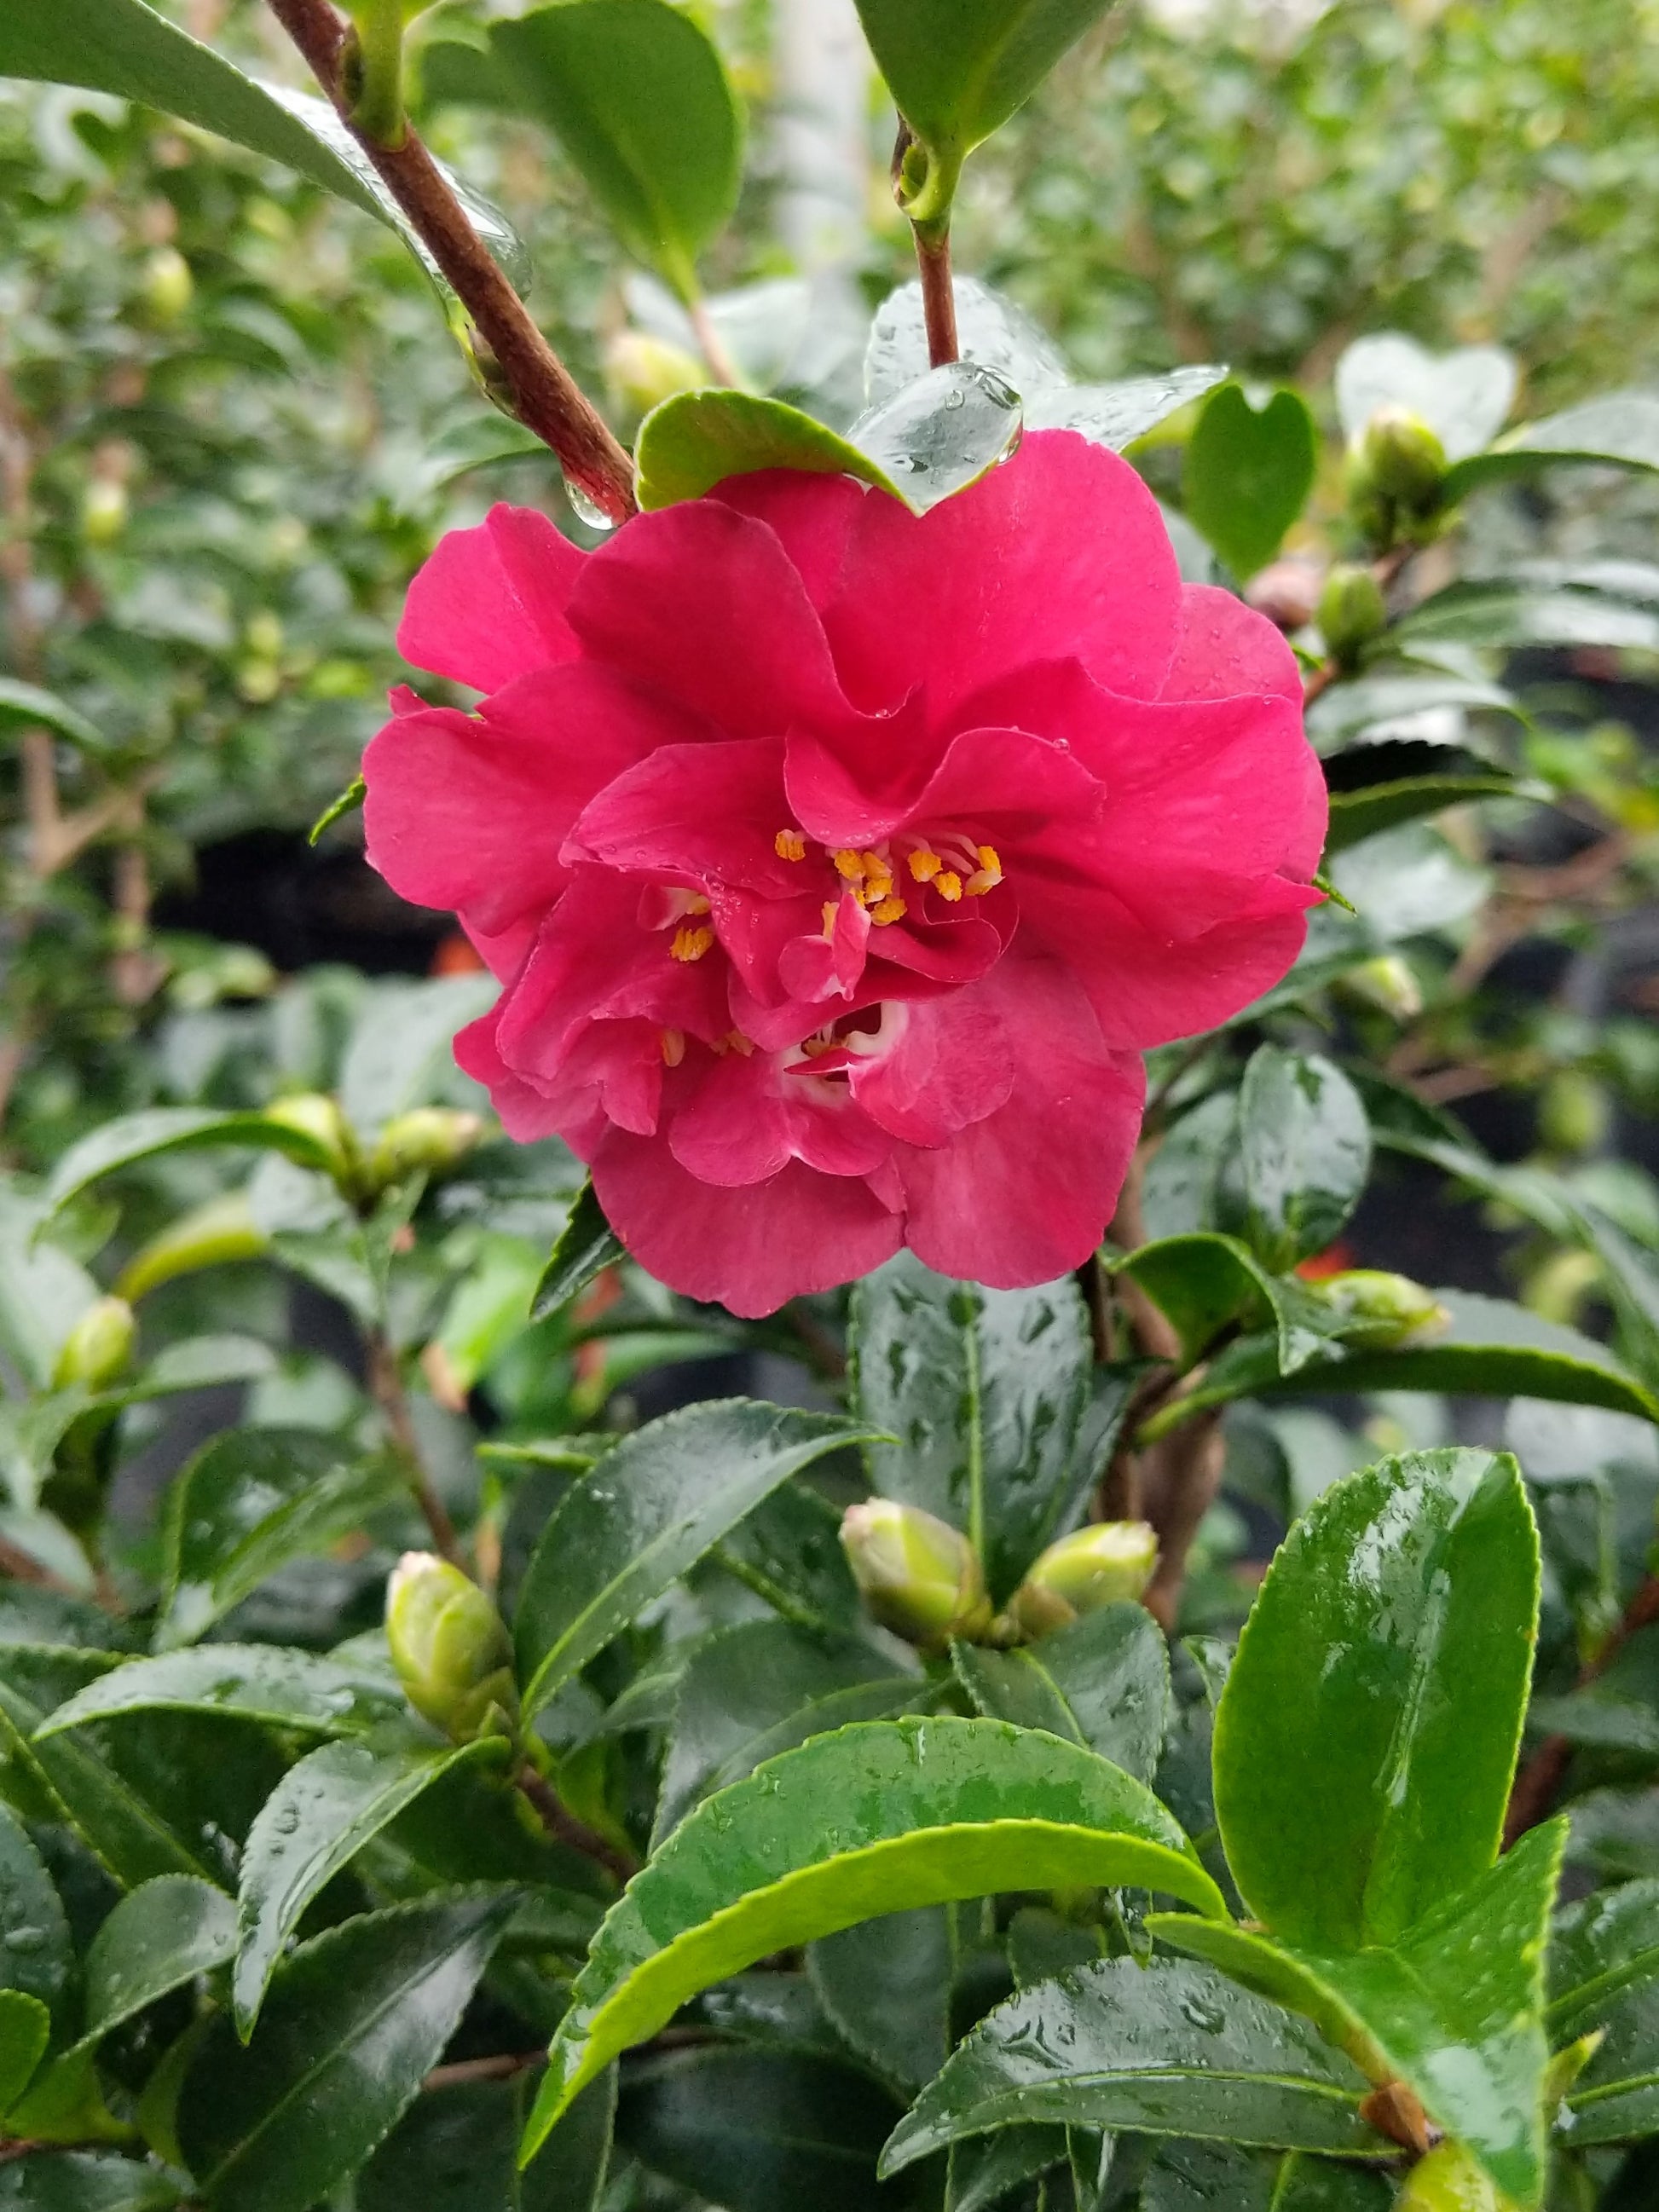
{"x": 721, "y": 366}
{"x": 564, "y": 1828}
{"x": 548, "y": 399}
{"x": 1183, "y": 1473}
{"x": 503, "y": 2067}
{"x": 1539, "y": 1783}
{"x": 386, "y": 1386}
{"x": 938, "y": 299}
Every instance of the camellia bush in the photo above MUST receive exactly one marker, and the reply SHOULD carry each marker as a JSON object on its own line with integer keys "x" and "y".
{"x": 967, "y": 905}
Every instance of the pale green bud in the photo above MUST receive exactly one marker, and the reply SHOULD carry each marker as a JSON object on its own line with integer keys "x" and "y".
{"x": 1573, "y": 1114}
{"x": 98, "y": 1350}
{"x": 919, "y": 1577}
{"x": 312, "y": 1114}
{"x": 643, "y": 371}
{"x": 1386, "y": 982}
{"x": 1402, "y": 458}
{"x": 1381, "y": 1311}
{"x": 429, "y": 1137}
{"x": 1450, "y": 2179}
{"x": 1351, "y": 611}
{"x": 103, "y": 510}
{"x": 167, "y": 283}
{"x": 451, "y": 1648}
{"x": 1095, "y": 1566}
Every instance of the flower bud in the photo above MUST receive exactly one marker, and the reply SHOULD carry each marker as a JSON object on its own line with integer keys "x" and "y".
{"x": 1386, "y": 982}
{"x": 1402, "y": 458}
{"x": 919, "y": 1577}
{"x": 103, "y": 510}
{"x": 429, "y": 1137}
{"x": 1351, "y": 611}
{"x": 221, "y": 1230}
{"x": 312, "y": 1114}
{"x": 1573, "y": 1115}
{"x": 1449, "y": 2180}
{"x": 451, "y": 1648}
{"x": 1380, "y": 1312}
{"x": 1092, "y": 1567}
{"x": 643, "y": 371}
{"x": 167, "y": 283}
{"x": 98, "y": 1350}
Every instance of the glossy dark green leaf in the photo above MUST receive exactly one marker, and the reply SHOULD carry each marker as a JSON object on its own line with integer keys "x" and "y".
{"x": 160, "y": 1935}
{"x": 1248, "y": 472}
{"x": 1204, "y": 2177}
{"x": 587, "y": 1245}
{"x": 880, "y": 1818}
{"x": 1366, "y": 1739}
{"x": 86, "y": 2181}
{"x": 753, "y": 2131}
{"x": 1321, "y": 2184}
{"x": 157, "y": 1129}
{"x": 24, "y": 706}
{"x": 886, "y": 1985}
{"x": 788, "y": 1552}
{"x": 354, "y": 2020}
{"x": 1462, "y": 396}
{"x": 986, "y": 2170}
{"x": 1620, "y": 429}
{"x": 647, "y": 1511}
{"x": 1102, "y": 1681}
{"x": 761, "y": 1689}
{"x": 1501, "y": 614}
{"x": 1374, "y": 786}
{"x": 25, "y": 2027}
{"x": 985, "y": 1391}
{"x": 1210, "y": 1286}
{"x": 319, "y": 1816}
{"x": 37, "y": 1955}
{"x": 284, "y": 1687}
{"x": 1598, "y": 1947}
{"x": 1306, "y": 1148}
{"x": 249, "y": 1503}
{"x": 640, "y": 103}
{"x": 1616, "y": 2098}
{"x": 1171, "y": 2049}
{"x": 696, "y": 439}
{"x": 454, "y": 2151}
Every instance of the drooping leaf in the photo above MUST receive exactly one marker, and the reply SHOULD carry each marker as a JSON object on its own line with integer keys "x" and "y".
{"x": 696, "y": 439}
{"x": 354, "y": 2020}
{"x": 1306, "y": 1148}
{"x": 650, "y": 1510}
{"x": 319, "y": 1816}
{"x": 587, "y": 1245}
{"x": 1367, "y": 1736}
{"x": 25, "y": 2027}
{"x": 1248, "y": 472}
{"x": 886, "y": 1985}
{"x": 282, "y": 1687}
{"x": 160, "y": 1935}
{"x": 1375, "y": 785}
{"x": 453, "y": 2151}
{"x": 1102, "y": 1681}
{"x": 1166, "y": 2050}
{"x": 1620, "y": 429}
{"x": 37, "y": 1955}
{"x": 880, "y": 1818}
{"x": 1464, "y": 396}
{"x": 640, "y": 103}
{"x": 133, "y": 1136}
{"x": 86, "y": 2181}
{"x": 985, "y": 1391}
{"x": 25, "y": 705}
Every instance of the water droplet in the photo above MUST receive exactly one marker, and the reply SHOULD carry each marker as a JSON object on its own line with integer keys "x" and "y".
{"x": 956, "y": 399}
{"x": 25, "y": 1939}
{"x": 588, "y": 510}
{"x": 287, "y": 1820}
{"x": 1209, "y": 2017}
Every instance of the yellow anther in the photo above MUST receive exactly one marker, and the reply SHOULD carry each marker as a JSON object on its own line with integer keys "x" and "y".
{"x": 924, "y": 866}
{"x": 691, "y": 944}
{"x": 673, "y": 1047}
{"x": 849, "y": 864}
{"x": 988, "y": 859}
{"x": 982, "y": 880}
{"x": 789, "y": 845}
{"x": 948, "y": 884}
{"x": 831, "y": 909}
{"x": 813, "y": 1046}
{"x": 889, "y": 909}
{"x": 735, "y": 1041}
{"x": 696, "y": 903}
{"x": 875, "y": 866}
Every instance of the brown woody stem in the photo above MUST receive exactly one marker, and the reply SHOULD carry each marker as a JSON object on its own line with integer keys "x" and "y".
{"x": 565, "y": 1828}
{"x": 938, "y": 299}
{"x": 386, "y": 1387}
{"x": 546, "y": 397}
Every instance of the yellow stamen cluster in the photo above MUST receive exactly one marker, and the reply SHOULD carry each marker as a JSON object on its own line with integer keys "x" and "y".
{"x": 789, "y": 845}
{"x": 871, "y": 878}
{"x": 948, "y": 884}
{"x": 691, "y": 944}
{"x": 733, "y": 1041}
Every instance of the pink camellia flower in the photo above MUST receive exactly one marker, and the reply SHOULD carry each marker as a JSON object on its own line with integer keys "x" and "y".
{"x": 839, "y": 864}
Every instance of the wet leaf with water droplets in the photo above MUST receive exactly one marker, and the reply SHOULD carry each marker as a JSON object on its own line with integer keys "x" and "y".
{"x": 269, "y": 1683}
{"x": 936, "y": 436}
{"x": 1103, "y": 1681}
{"x": 160, "y": 1935}
{"x": 25, "y": 2026}
{"x": 36, "y": 1954}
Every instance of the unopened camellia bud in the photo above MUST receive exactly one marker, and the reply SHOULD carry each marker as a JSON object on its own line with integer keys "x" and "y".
{"x": 1092, "y": 1567}
{"x": 1573, "y": 1114}
{"x": 1351, "y": 611}
{"x": 643, "y": 371}
{"x": 1381, "y": 1311}
{"x": 432, "y": 1137}
{"x": 918, "y": 1575}
{"x": 1450, "y": 2179}
{"x": 316, "y": 1115}
{"x": 99, "y": 1348}
{"x": 167, "y": 283}
{"x": 1387, "y": 982}
{"x": 1401, "y": 457}
{"x": 451, "y": 1648}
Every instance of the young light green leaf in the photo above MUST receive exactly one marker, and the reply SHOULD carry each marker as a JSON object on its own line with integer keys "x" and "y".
{"x": 877, "y": 1818}
{"x": 985, "y": 1390}
{"x": 1102, "y": 1681}
{"x": 1247, "y": 474}
{"x": 1367, "y": 1736}
{"x": 647, "y": 1511}
{"x": 696, "y": 439}
{"x": 1620, "y": 430}
{"x": 36, "y": 1953}
{"x": 886, "y": 1985}
{"x": 641, "y": 102}
{"x": 354, "y": 2020}
{"x": 1306, "y": 1149}
{"x": 25, "y": 705}
{"x": 160, "y": 1935}
{"x": 1164, "y": 2049}
{"x": 319, "y": 1816}
{"x": 588, "y": 1244}
{"x": 25, "y": 2026}
{"x": 269, "y": 1683}
{"x": 1207, "y": 1284}
{"x": 133, "y": 1136}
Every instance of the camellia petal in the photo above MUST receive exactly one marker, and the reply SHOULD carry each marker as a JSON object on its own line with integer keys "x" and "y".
{"x": 489, "y": 603}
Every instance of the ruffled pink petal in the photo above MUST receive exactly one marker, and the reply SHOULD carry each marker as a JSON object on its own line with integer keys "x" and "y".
{"x": 1023, "y": 1195}
{"x": 525, "y": 1112}
{"x": 503, "y": 951}
{"x": 849, "y": 787}
{"x": 490, "y": 603}
{"x": 1060, "y": 550}
{"x": 1147, "y": 990}
{"x": 747, "y": 1249}
{"x": 1227, "y": 648}
{"x": 704, "y": 604}
{"x": 959, "y": 950}
{"x": 811, "y": 967}
{"x": 701, "y": 814}
{"x": 939, "y": 1064}
{"x": 812, "y": 516}
{"x": 738, "y": 1118}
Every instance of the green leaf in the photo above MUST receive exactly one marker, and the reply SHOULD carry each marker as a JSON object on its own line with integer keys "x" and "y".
{"x": 354, "y": 2020}
{"x": 1116, "y": 415}
{"x": 1616, "y": 2098}
{"x": 941, "y": 434}
{"x": 1102, "y": 1681}
{"x": 756, "y": 2130}
{"x": 1373, "y": 786}
{"x": 877, "y": 1818}
{"x": 1386, "y": 702}
{"x": 399, "y": 1054}
{"x": 25, "y": 2026}
{"x": 648, "y": 1510}
{"x": 455, "y": 2152}
{"x": 349, "y": 800}
{"x": 985, "y": 1390}
{"x": 1366, "y": 1739}
{"x": 37, "y": 1956}
{"x": 1305, "y": 1146}
{"x": 886, "y": 1985}
{"x": 1320, "y": 2185}
{"x": 1601, "y": 1946}
{"x": 1501, "y": 615}
{"x": 25, "y": 705}
{"x": 992, "y": 329}
{"x": 986, "y": 2170}
{"x": 133, "y": 1136}
{"x": 587, "y": 1245}
{"x": 249, "y": 1503}
{"x": 760, "y": 1689}
{"x": 1194, "y": 2176}
{"x": 1464, "y": 396}
{"x": 640, "y": 103}
{"x": 1248, "y": 472}
{"x": 696, "y": 439}
{"x": 160, "y": 1935}
{"x": 319, "y": 1816}
{"x": 1207, "y": 1284}
{"x": 1619, "y": 430}
{"x": 266, "y": 1682}
{"x": 86, "y": 2181}
{"x": 1162, "y": 2050}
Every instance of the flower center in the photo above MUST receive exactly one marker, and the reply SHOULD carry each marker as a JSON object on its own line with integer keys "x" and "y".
{"x": 953, "y": 864}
